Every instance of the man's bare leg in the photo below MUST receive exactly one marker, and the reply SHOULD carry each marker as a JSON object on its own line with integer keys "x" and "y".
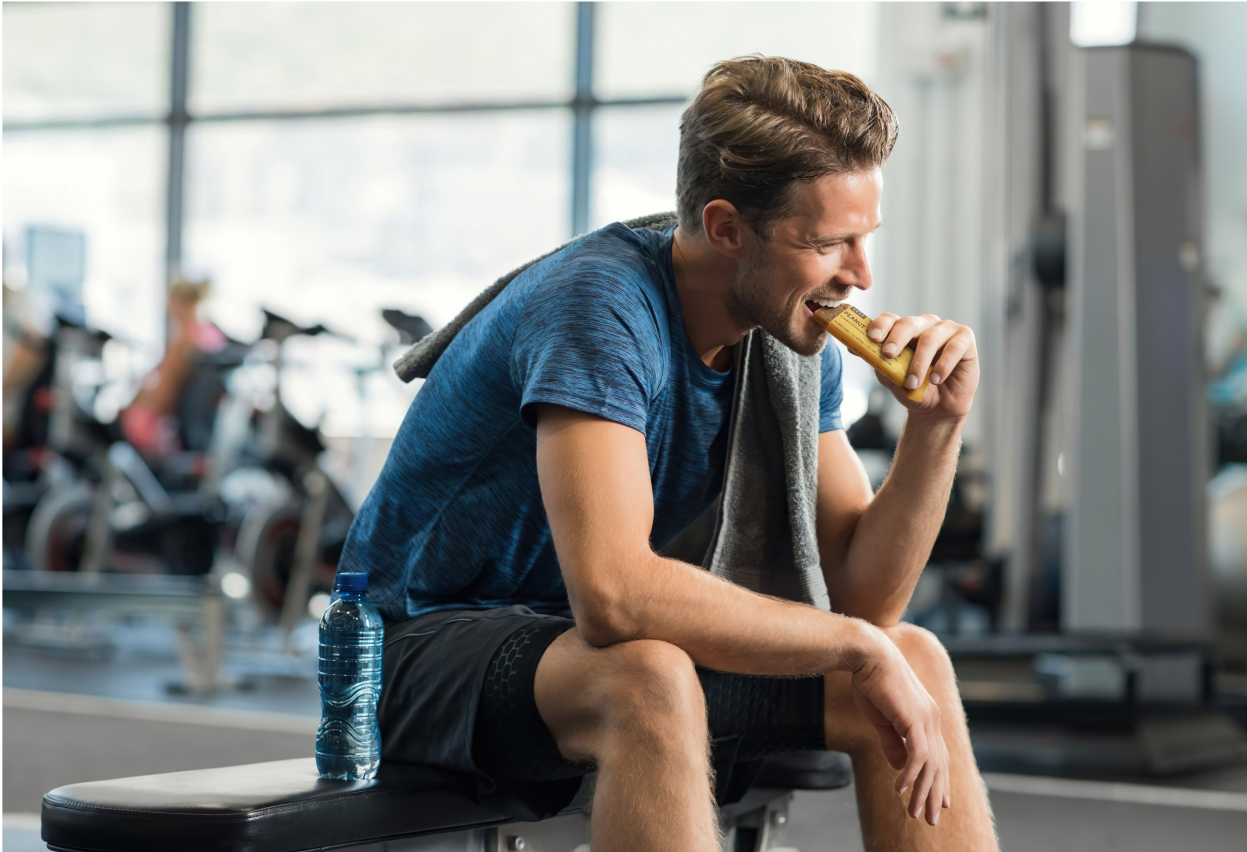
{"x": 967, "y": 825}
{"x": 637, "y": 710}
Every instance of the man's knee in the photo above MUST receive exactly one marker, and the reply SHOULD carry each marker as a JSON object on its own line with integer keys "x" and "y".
{"x": 648, "y": 683}
{"x": 635, "y": 697}
{"x": 923, "y": 650}
{"x": 611, "y": 700}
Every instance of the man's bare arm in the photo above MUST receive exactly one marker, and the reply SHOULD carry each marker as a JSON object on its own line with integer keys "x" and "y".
{"x": 873, "y": 550}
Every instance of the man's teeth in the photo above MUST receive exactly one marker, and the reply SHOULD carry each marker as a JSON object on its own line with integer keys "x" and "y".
{"x": 826, "y": 303}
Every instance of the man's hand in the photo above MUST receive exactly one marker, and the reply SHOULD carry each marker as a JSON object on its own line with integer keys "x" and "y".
{"x": 907, "y": 720}
{"x": 946, "y": 347}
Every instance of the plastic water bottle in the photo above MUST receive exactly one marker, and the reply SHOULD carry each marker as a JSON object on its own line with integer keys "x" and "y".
{"x": 348, "y": 744}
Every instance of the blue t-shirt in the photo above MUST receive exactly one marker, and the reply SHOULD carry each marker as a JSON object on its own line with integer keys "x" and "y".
{"x": 456, "y": 520}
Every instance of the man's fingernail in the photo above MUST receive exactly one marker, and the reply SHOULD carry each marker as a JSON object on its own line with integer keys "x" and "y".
{"x": 948, "y": 802}
{"x": 935, "y": 378}
{"x": 876, "y": 334}
{"x": 911, "y": 381}
{"x": 936, "y": 821}
{"x": 889, "y": 350}
{"x": 901, "y": 791}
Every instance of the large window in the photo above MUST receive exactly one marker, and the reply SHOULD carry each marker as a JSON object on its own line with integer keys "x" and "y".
{"x": 329, "y": 159}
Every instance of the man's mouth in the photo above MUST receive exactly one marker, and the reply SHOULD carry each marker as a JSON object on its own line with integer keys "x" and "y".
{"x": 813, "y": 305}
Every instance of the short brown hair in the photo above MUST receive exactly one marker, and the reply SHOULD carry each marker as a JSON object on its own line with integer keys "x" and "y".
{"x": 758, "y": 124}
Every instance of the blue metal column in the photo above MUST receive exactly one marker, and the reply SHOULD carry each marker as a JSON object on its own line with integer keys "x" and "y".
{"x": 179, "y": 72}
{"x": 582, "y": 106}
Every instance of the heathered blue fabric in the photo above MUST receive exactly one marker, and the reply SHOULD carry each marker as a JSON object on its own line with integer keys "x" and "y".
{"x": 455, "y": 520}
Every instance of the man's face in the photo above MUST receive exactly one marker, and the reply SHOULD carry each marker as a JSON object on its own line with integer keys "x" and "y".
{"x": 815, "y": 254}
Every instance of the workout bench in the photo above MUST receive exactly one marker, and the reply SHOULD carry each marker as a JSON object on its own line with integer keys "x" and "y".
{"x": 284, "y": 806}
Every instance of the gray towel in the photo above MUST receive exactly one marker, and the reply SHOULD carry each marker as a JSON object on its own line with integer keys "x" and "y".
{"x": 764, "y": 535}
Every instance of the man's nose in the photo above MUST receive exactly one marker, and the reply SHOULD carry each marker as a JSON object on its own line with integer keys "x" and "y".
{"x": 857, "y": 269}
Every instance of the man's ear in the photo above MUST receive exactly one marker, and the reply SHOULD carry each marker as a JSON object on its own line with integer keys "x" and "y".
{"x": 725, "y": 229}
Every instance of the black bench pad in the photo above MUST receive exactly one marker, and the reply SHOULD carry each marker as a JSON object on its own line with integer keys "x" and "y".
{"x": 286, "y": 806}
{"x": 264, "y": 807}
{"x": 806, "y": 770}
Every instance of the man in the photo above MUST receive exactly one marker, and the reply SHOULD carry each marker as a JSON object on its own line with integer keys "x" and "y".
{"x": 579, "y": 422}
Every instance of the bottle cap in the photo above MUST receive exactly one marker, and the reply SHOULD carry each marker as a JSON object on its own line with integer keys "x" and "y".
{"x": 352, "y": 583}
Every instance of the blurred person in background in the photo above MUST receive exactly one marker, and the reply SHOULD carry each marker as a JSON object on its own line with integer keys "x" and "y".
{"x": 149, "y": 422}
{"x": 25, "y": 356}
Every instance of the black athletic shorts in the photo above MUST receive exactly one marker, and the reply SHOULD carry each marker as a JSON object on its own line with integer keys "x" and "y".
{"x": 458, "y": 694}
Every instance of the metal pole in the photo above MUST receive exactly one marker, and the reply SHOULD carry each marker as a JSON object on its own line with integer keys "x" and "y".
{"x": 582, "y": 107}
{"x": 178, "y": 74}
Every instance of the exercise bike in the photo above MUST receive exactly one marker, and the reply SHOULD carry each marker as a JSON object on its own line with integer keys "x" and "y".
{"x": 50, "y": 470}
{"x": 124, "y": 512}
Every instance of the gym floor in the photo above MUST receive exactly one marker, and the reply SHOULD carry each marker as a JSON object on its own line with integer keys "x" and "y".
{"x": 101, "y": 708}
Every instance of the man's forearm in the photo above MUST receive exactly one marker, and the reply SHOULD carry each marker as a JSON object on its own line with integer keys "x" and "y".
{"x": 893, "y": 538}
{"x": 724, "y": 626}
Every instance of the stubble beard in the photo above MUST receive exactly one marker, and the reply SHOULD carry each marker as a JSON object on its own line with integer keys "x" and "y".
{"x": 751, "y": 305}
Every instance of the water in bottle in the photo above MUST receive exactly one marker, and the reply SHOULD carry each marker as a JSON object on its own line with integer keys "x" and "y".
{"x": 348, "y": 744}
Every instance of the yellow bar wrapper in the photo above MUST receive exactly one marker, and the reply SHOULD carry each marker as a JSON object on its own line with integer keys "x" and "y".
{"x": 848, "y": 325}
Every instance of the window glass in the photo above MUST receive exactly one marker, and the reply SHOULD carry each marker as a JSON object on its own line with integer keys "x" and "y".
{"x": 332, "y": 220}
{"x": 84, "y": 60}
{"x": 107, "y": 185}
{"x": 665, "y": 48}
{"x": 634, "y": 154}
{"x": 248, "y": 56}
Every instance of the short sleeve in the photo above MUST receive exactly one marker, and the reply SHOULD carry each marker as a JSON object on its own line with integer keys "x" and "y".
{"x": 832, "y": 391}
{"x": 589, "y": 338}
